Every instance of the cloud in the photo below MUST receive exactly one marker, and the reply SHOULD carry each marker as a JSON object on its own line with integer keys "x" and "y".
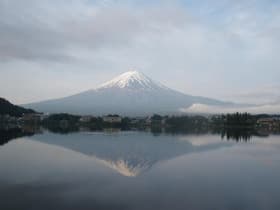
{"x": 208, "y": 109}
{"x": 213, "y": 48}
{"x": 54, "y": 30}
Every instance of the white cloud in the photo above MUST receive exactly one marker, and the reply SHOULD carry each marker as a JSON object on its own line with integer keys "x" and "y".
{"x": 208, "y": 109}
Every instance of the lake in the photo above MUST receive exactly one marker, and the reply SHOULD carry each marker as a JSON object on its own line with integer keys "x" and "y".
{"x": 136, "y": 170}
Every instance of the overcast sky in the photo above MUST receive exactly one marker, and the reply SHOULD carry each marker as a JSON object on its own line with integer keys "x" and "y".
{"x": 225, "y": 49}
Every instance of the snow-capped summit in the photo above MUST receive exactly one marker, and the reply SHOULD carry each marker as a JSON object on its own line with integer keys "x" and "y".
{"x": 132, "y": 80}
{"x": 130, "y": 94}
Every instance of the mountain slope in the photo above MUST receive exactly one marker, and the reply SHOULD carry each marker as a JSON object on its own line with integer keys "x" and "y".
{"x": 16, "y": 111}
{"x": 131, "y": 93}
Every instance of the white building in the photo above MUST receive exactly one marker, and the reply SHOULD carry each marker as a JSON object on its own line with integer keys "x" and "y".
{"x": 112, "y": 119}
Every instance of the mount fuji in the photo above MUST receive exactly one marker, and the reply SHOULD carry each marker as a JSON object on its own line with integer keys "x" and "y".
{"x": 130, "y": 94}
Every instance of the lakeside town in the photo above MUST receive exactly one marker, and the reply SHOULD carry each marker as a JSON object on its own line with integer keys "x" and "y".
{"x": 236, "y": 125}
{"x": 69, "y": 122}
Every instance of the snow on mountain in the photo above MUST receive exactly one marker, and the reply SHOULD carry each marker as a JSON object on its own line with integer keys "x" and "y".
{"x": 132, "y": 80}
{"x": 131, "y": 94}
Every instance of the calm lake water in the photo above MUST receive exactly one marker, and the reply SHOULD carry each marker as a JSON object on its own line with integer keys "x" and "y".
{"x": 139, "y": 171}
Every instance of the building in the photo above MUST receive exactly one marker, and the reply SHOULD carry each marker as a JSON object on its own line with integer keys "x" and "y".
{"x": 137, "y": 120}
{"x": 112, "y": 119}
{"x": 86, "y": 119}
{"x": 32, "y": 118}
{"x": 270, "y": 123}
{"x": 148, "y": 121}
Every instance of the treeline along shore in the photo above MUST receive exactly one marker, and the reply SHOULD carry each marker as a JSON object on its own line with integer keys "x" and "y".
{"x": 169, "y": 123}
{"x": 229, "y": 125}
{"x": 238, "y": 126}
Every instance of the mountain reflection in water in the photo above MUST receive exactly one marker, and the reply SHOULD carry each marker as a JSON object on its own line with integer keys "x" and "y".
{"x": 128, "y": 153}
{"x": 137, "y": 170}
{"x": 125, "y": 152}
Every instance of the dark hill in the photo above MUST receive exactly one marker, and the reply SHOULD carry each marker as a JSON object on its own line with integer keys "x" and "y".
{"x": 8, "y": 108}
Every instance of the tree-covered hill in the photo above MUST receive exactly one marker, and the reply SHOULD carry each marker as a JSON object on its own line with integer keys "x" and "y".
{"x": 8, "y": 108}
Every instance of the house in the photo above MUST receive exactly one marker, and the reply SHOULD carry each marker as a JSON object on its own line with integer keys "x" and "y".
{"x": 137, "y": 120}
{"x": 112, "y": 119}
{"x": 32, "y": 118}
{"x": 148, "y": 121}
{"x": 269, "y": 123}
{"x": 86, "y": 119}
{"x": 265, "y": 121}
